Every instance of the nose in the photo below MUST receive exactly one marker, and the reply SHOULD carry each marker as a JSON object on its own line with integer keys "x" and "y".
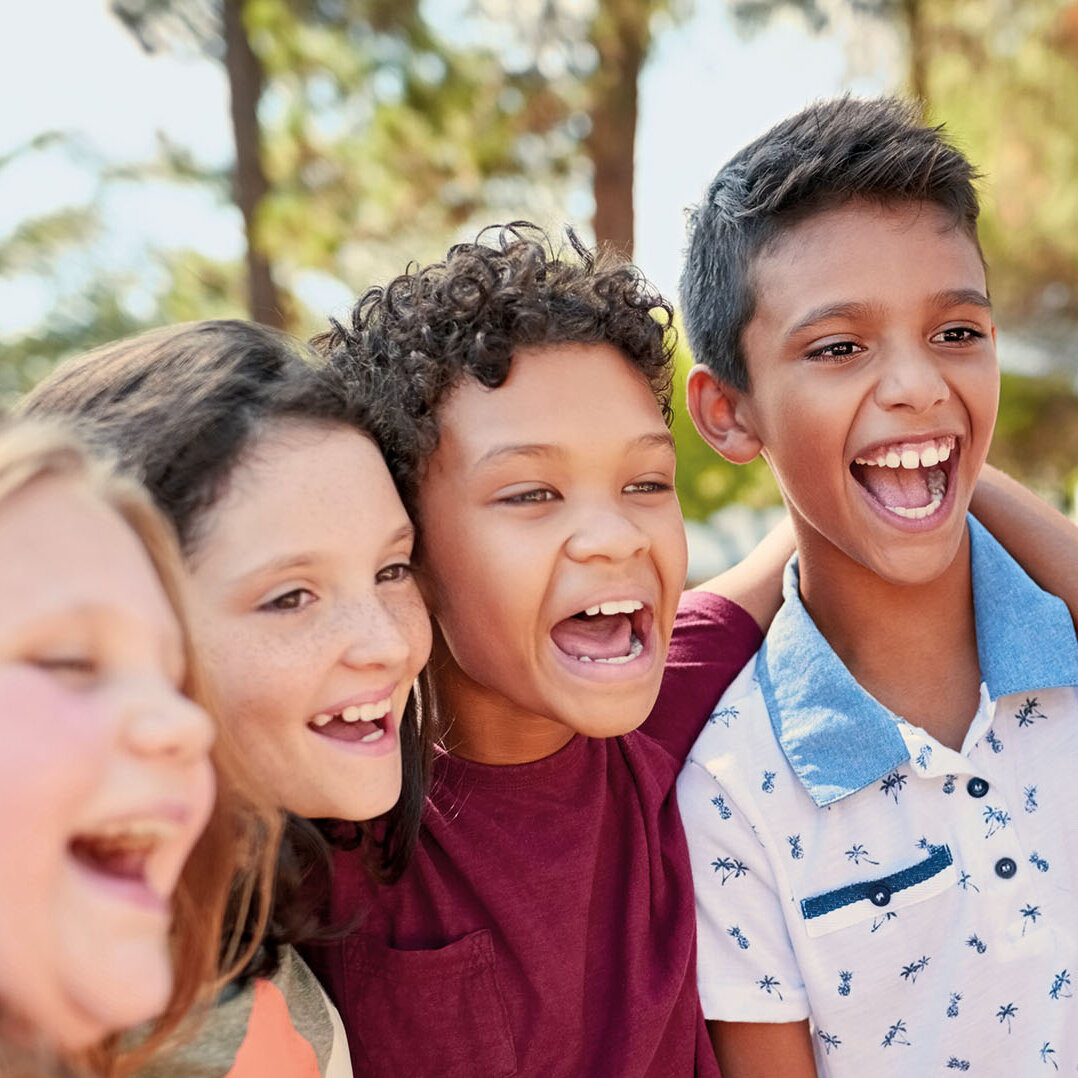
{"x": 374, "y": 638}
{"x": 911, "y": 380}
{"x": 162, "y": 722}
{"x": 606, "y": 532}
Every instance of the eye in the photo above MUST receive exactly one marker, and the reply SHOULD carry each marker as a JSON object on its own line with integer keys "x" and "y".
{"x": 71, "y": 669}
{"x": 394, "y": 573}
{"x": 535, "y": 496}
{"x": 296, "y": 599}
{"x": 957, "y": 335}
{"x": 648, "y": 486}
{"x": 836, "y": 351}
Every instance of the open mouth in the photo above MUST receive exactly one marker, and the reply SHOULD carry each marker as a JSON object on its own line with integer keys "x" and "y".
{"x": 120, "y": 853}
{"x": 365, "y": 723}
{"x": 612, "y": 633}
{"x": 908, "y": 479}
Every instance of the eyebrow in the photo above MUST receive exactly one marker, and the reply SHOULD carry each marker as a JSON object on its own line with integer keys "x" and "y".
{"x": 405, "y": 533}
{"x": 955, "y": 297}
{"x": 959, "y": 297}
{"x": 655, "y": 439}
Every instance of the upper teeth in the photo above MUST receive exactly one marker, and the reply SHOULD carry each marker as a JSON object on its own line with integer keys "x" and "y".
{"x": 927, "y": 455}
{"x": 151, "y": 827}
{"x": 622, "y": 606}
{"x": 354, "y": 712}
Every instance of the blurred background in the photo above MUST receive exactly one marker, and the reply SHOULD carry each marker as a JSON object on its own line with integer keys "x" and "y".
{"x": 167, "y": 160}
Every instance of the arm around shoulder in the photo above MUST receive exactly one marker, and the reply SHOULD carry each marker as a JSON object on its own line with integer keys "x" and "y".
{"x": 755, "y": 583}
{"x": 763, "y": 1049}
{"x": 1043, "y": 541}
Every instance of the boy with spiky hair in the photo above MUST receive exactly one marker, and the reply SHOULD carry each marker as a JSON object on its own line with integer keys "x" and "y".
{"x": 546, "y": 924}
{"x": 876, "y": 812}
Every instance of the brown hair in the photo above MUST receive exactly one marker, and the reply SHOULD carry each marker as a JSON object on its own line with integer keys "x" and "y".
{"x": 234, "y": 854}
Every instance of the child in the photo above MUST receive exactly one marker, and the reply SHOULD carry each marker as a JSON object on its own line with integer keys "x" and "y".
{"x": 305, "y": 613}
{"x": 877, "y": 811}
{"x": 106, "y": 779}
{"x": 545, "y": 925}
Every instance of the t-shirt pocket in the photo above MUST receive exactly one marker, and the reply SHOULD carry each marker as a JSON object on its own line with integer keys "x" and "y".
{"x": 437, "y": 1011}
{"x": 830, "y": 911}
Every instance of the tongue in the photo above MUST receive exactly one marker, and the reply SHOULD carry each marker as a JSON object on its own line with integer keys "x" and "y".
{"x": 340, "y": 730}
{"x": 904, "y": 487}
{"x": 604, "y": 636}
{"x": 111, "y": 858}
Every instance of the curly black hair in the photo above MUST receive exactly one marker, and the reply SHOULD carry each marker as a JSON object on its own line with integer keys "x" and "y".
{"x": 428, "y": 330}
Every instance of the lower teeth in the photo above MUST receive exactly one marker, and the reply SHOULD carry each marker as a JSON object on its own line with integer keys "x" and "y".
{"x": 374, "y": 735}
{"x": 635, "y": 648}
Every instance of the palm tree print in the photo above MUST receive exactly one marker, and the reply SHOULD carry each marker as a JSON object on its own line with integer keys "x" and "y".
{"x": 948, "y": 783}
{"x": 844, "y": 978}
{"x": 956, "y": 1064}
{"x": 725, "y": 716}
{"x": 1061, "y": 983}
{"x": 1029, "y": 711}
{"x": 1047, "y": 1051}
{"x": 977, "y": 944}
{"x": 993, "y": 742}
{"x": 882, "y": 919}
{"x": 769, "y": 985}
{"x": 768, "y": 785}
{"x": 829, "y": 1041}
{"x": 738, "y": 936}
{"x": 1031, "y": 798}
{"x": 996, "y": 819}
{"x": 909, "y": 973}
{"x": 729, "y": 867}
{"x": 1006, "y": 1012}
{"x": 1038, "y": 862}
{"x": 858, "y": 854}
{"x": 724, "y": 809}
{"x": 952, "y": 1004}
{"x": 796, "y": 852}
{"x": 924, "y": 756}
{"x": 892, "y": 784}
{"x": 1029, "y": 915}
{"x": 896, "y": 1034}
{"x": 965, "y": 881}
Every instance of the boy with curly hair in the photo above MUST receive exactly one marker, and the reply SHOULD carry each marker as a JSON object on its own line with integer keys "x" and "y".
{"x": 545, "y": 926}
{"x": 876, "y": 812}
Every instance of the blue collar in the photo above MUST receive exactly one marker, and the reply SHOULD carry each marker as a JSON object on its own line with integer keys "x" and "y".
{"x": 837, "y": 737}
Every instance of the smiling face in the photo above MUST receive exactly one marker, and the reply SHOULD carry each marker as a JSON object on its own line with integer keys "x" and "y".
{"x": 308, "y": 619}
{"x": 874, "y": 386}
{"x": 554, "y": 551}
{"x": 105, "y": 778}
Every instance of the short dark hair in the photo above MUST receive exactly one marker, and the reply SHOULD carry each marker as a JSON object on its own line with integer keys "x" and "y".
{"x": 820, "y": 159}
{"x": 433, "y": 327}
{"x": 179, "y": 407}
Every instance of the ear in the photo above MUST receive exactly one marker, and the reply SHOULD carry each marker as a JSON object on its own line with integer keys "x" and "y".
{"x": 717, "y": 411}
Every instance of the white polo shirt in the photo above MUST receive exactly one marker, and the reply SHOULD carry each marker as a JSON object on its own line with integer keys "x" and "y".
{"x": 920, "y": 905}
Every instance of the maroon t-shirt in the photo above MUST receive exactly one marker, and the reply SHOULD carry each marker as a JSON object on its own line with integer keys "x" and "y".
{"x": 546, "y": 923}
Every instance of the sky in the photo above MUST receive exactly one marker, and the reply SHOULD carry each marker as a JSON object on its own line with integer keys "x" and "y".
{"x": 67, "y": 65}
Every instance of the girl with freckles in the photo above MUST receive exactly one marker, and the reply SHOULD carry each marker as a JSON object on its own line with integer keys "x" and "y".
{"x": 306, "y": 617}
{"x": 118, "y": 845}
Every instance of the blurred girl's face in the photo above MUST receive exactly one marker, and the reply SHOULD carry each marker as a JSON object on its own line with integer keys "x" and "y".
{"x": 105, "y": 777}
{"x": 308, "y": 619}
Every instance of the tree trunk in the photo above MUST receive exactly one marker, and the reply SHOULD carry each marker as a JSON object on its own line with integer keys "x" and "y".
{"x": 249, "y": 180}
{"x": 913, "y": 12}
{"x": 621, "y": 35}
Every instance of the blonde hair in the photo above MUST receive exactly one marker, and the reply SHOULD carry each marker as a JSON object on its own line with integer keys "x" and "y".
{"x": 232, "y": 864}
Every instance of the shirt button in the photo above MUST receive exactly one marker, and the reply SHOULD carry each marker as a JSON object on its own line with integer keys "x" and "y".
{"x": 880, "y": 894}
{"x": 1006, "y": 868}
{"x": 977, "y": 787}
